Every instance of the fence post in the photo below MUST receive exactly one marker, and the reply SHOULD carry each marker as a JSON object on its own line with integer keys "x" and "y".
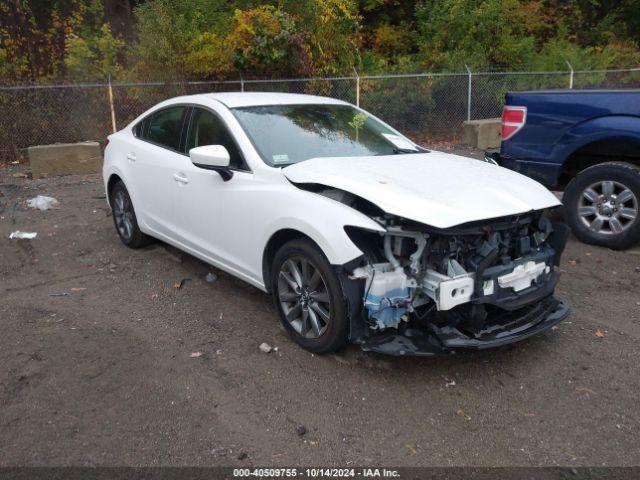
{"x": 241, "y": 83}
{"x": 357, "y": 87}
{"x": 468, "y": 93}
{"x": 570, "y": 74}
{"x": 113, "y": 111}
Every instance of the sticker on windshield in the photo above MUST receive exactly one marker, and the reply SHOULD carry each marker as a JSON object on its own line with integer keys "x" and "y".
{"x": 399, "y": 142}
{"x": 282, "y": 158}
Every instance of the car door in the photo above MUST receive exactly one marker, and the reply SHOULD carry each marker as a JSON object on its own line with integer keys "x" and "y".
{"x": 152, "y": 160}
{"x": 202, "y": 212}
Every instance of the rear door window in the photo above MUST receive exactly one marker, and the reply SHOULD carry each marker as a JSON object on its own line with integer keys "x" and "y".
{"x": 164, "y": 127}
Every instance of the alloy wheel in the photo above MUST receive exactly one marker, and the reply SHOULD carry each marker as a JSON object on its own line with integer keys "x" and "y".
{"x": 123, "y": 213}
{"x": 608, "y": 207}
{"x": 303, "y": 297}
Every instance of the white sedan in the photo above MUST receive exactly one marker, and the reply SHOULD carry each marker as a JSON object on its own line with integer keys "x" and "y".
{"x": 358, "y": 233}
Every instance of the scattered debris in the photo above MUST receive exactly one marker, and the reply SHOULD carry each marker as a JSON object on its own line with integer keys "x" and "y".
{"x": 461, "y": 413}
{"x": 411, "y": 449}
{"x": 242, "y": 455}
{"x": 573, "y": 262}
{"x": 78, "y": 289}
{"x": 599, "y": 260}
{"x": 196, "y": 355}
{"x": 265, "y": 347}
{"x": 42, "y": 203}
{"x": 211, "y": 277}
{"x": 598, "y": 333}
{"x": 27, "y": 235}
{"x": 451, "y": 383}
{"x": 58, "y": 294}
{"x": 180, "y": 284}
{"x": 221, "y": 452}
{"x": 301, "y": 430}
{"x": 585, "y": 390}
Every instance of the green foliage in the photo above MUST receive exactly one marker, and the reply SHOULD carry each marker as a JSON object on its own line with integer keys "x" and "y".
{"x": 291, "y": 38}
{"x": 57, "y": 40}
{"x": 199, "y": 39}
{"x": 263, "y": 41}
{"x": 479, "y": 33}
{"x": 331, "y": 30}
{"x": 166, "y": 31}
{"x": 94, "y": 57}
{"x": 522, "y": 34}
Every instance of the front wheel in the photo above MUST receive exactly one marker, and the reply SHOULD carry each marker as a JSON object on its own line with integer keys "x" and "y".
{"x": 309, "y": 298}
{"x": 602, "y": 205}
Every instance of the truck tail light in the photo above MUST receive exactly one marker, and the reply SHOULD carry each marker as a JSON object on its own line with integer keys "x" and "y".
{"x": 513, "y": 119}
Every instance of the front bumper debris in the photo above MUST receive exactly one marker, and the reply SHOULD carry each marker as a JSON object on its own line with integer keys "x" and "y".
{"x": 502, "y": 328}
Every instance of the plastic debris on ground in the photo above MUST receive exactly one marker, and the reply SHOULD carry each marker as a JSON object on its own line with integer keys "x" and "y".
{"x": 196, "y": 354}
{"x": 211, "y": 277}
{"x": 42, "y": 202}
{"x": 265, "y": 348}
{"x": 58, "y": 294}
{"x": 27, "y": 235}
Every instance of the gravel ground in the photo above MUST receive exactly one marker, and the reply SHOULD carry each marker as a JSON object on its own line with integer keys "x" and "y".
{"x": 128, "y": 370}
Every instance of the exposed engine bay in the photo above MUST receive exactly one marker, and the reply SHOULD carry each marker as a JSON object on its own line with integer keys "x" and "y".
{"x": 477, "y": 285}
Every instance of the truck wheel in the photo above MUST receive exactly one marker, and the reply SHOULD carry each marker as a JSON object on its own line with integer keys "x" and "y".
{"x": 602, "y": 205}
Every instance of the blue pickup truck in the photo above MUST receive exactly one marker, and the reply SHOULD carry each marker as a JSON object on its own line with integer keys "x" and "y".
{"x": 587, "y": 143}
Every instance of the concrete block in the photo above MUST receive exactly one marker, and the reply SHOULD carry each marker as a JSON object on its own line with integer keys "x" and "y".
{"x": 484, "y": 133}
{"x": 65, "y": 159}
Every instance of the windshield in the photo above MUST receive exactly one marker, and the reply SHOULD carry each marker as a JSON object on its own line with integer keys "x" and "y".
{"x": 286, "y": 134}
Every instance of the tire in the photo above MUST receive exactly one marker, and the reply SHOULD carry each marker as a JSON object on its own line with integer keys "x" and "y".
{"x": 300, "y": 297}
{"x": 124, "y": 218}
{"x": 602, "y": 205}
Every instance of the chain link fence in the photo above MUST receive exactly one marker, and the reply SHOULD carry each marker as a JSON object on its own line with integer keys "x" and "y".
{"x": 430, "y": 108}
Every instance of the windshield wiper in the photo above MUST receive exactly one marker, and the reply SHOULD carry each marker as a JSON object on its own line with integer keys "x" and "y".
{"x": 398, "y": 151}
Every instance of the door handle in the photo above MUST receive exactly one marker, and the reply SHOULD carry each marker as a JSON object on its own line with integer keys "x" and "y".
{"x": 131, "y": 157}
{"x": 180, "y": 178}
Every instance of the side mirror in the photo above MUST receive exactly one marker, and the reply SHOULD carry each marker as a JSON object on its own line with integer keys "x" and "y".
{"x": 212, "y": 157}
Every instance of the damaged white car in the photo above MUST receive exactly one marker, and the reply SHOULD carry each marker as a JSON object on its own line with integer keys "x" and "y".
{"x": 359, "y": 234}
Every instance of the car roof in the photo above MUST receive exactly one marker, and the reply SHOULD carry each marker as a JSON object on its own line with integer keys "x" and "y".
{"x": 254, "y": 99}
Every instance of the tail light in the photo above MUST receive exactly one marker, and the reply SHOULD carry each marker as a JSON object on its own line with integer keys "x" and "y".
{"x": 513, "y": 119}
{"x": 106, "y": 142}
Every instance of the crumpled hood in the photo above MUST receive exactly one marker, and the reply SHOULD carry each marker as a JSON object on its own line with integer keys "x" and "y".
{"x": 435, "y": 188}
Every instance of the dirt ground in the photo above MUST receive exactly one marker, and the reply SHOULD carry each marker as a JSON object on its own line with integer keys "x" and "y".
{"x": 127, "y": 370}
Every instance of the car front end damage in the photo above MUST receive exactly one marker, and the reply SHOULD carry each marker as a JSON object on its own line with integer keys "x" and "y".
{"x": 419, "y": 290}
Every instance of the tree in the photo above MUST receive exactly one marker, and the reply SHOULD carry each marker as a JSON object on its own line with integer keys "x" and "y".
{"x": 166, "y": 32}
{"x": 93, "y": 57}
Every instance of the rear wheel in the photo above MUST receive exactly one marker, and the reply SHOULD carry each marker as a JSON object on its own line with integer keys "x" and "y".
{"x": 308, "y": 296}
{"x": 124, "y": 218}
{"x": 602, "y": 205}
